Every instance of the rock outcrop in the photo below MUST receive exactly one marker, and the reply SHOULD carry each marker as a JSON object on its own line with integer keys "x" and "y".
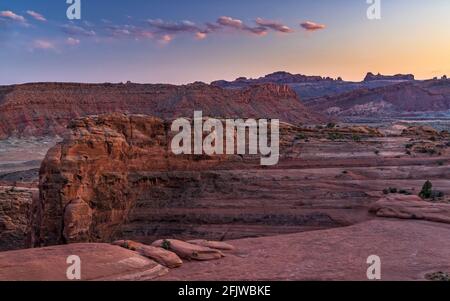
{"x": 280, "y": 77}
{"x": 165, "y": 257}
{"x": 45, "y": 109}
{"x": 411, "y": 207}
{"x": 189, "y": 251}
{"x": 107, "y": 167}
{"x": 371, "y": 77}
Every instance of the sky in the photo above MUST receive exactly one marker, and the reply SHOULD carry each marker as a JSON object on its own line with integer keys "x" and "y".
{"x": 182, "y": 41}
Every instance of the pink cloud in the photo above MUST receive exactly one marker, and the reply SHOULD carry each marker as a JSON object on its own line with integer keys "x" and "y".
{"x": 274, "y": 25}
{"x": 200, "y": 35}
{"x": 165, "y": 39}
{"x": 72, "y": 42}
{"x": 12, "y": 16}
{"x": 239, "y": 25}
{"x": 44, "y": 45}
{"x": 230, "y": 22}
{"x": 36, "y": 16}
{"x": 312, "y": 26}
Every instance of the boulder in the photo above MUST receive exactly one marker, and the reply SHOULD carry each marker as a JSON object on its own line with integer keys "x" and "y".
{"x": 411, "y": 207}
{"x": 188, "y": 251}
{"x": 160, "y": 255}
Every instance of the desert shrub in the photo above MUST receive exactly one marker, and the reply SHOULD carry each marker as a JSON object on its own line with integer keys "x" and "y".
{"x": 331, "y": 125}
{"x": 300, "y": 136}
{"x": 438, "y": 276}
{"x": 409, "y": 145}
{"x": 335, "y": 136}
{"x": 396, "y": 190}
{"x": 165, "y": 244}
{"x": 356, "y": 138}
{"x": 427, "y": 190}
{"x": 377, "y": 152}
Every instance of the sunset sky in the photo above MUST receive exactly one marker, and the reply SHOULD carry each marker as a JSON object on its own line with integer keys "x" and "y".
{"x": 181, "y": 41}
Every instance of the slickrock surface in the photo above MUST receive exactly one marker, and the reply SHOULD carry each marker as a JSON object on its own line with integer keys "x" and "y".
{"x": 15, "y": 204}
{"x": 45, "y": 109}
{"x": 113, "y": 177}
{"x": 408, "y": 251}
{"x": 411, "y": 207}
{"x": 98, "y": 262}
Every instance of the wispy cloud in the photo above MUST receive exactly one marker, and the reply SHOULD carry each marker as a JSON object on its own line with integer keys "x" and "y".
{"x": 274, "y": 25}
{"x": 36, "y": 16}
{"x": 72, "y": 41}
{"x": 128, "y": 31}
{"x": 43, "y": 45}
{"x": 183, "y": 26}
{"x": 75, "y": 30}
{"x": 312, "y": 26}
{"x": 237, "y": 24}
{"x": 7, "y": 14}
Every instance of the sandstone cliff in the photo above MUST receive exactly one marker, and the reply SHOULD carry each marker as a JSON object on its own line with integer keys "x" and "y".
{"x": 46, "y": 108}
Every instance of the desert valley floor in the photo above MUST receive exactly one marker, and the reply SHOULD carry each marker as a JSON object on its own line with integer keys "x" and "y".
{"x": 339, "y": 194}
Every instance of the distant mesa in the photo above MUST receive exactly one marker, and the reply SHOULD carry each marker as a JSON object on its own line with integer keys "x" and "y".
{"x": 280, "y": 77}
{"x": 371, "y": 77}
{"x": 45, "y": 109}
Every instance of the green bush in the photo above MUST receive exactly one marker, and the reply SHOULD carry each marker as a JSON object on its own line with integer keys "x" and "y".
{"x": 427, "y": 190}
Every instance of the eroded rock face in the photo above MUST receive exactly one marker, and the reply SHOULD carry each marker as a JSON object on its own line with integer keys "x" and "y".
{"x": 14, "y": 212}
{"x": 91, "y": 181}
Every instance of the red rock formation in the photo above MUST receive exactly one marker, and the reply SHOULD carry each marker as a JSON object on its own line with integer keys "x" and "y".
{"x": 371, "y": 77}
{"x": 411, "y": 207}
{"x": 114, "y": 169}
{"x": 46, "y": 108}
{"x": 280, "y": 77}
{"x": 92, "y": 179}
{"x": 404, "y": 99}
